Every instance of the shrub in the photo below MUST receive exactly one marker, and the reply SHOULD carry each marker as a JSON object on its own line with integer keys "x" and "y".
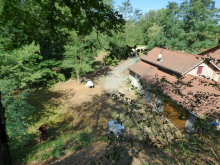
{"x": 129, "y": 80}
{"x": 52, "y": 82}
{"x": 17, "y": 112}
{"x": 136, "y": 92}
{"x": 112, "y": 61}
{"x": 61, "y": 77}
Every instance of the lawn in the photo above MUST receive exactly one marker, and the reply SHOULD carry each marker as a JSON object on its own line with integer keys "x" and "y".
{"x": 75, "y": 116}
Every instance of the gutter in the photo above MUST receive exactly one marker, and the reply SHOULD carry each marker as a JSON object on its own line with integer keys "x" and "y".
{"x": 147, "y": 74}
{"x": 214, "y": 65}
{"x": 199, "y": 64}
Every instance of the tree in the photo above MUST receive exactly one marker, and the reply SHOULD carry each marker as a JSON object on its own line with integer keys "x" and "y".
{"x": 200, "y": 19}
{"x": 18, "y": 113}
{"x": 149, "y": 19}
{"x": 137, "y": 15}
{"x": 5, "y": 157}
{"x": 79, "y": 54}
{"x": 126, "y": 9}
{"x": 110, "y": 3}
{"x": 24, "y": 67}
{"x": 31, "y": 25}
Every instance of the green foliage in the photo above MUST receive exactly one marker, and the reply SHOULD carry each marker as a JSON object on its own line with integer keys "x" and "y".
{"x": 112, "y": 61}
{"x": 79, "y": 54}
{"x": 61, "y": 77}
{"x": 136, "y": 91}
{"x": 52, "y": 81}
{"x": 23, "y": 66}
{"x": 182, "y": 27}
{"x": 18, "y": 113}
{"x": 129, "y": 80}
{"x": 128, "y": 85}
{"x": 136, "y": 61}
{"x": 85, "y": 137}
{"x": 126, "y": 9}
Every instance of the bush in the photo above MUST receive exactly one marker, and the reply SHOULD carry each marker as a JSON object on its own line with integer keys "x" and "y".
{"x": 52, "y": 82}
{"x": 136, "y": 92}
{"x": 17, "y": 112}
{"x": 61, "y": 77}
{"x": 129, "y": 80}
{"x": 112, "y": 61}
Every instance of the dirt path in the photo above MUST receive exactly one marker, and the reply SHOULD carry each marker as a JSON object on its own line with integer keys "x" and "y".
{"x": 115, "y": 80}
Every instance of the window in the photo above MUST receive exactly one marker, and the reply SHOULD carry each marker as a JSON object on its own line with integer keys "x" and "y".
{"x": 200, "y": 70}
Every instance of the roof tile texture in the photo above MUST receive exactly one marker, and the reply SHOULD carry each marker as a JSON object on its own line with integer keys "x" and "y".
{"x": 206, "y": 105}
{"x": 142, "y": 68}
{"x": 214, "y": 54}
{"x": 177, "y": 61}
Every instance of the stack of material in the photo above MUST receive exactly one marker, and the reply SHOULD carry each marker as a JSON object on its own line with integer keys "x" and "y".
{"x": 89, "y": 84}
{"x": 115, "y": 128}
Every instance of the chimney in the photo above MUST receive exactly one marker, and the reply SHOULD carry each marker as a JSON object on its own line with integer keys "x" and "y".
{"x": 167, "y": 47}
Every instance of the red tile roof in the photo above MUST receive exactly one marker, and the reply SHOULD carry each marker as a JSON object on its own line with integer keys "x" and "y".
{"x": 172, "y": 60}
{"x": 209, "y": 50}
{"x": 142, "y": 68}
{"x": 206, "y": 105}
{"x": 214, "y": 54}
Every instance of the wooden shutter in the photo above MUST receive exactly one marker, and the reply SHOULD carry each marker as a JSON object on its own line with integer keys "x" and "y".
{"x": 200, "y": 70}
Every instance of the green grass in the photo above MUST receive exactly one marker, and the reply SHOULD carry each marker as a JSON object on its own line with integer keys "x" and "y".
{"x": 136, "y": 61}
{"x": 55, "y": 148}
{"x": 128, "y": 85}
{"x": 141, "y": 45}
{"x": 60, "y": 130}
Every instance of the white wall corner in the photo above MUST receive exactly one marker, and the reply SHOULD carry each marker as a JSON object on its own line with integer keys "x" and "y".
{"x": 190, "y": 122}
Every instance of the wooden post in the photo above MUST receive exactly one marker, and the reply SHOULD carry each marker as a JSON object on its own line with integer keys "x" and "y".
{"x": 43, "y": 133}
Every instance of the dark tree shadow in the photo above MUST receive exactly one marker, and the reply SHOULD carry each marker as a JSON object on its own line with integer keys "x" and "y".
{"x": 42, "y": 99}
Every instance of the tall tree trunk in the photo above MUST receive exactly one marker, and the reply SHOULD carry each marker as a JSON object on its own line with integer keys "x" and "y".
{"x": 5, "y": 158}
{"x": 78, "y": 77}
{"x": 80, "y": 55}
{"x": 103, "y": 56}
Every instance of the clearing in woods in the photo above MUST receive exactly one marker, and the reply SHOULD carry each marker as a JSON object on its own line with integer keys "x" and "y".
{"x": 69, "y": 109}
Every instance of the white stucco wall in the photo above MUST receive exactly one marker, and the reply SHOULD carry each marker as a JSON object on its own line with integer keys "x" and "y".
{"x": 207, "y": 70}
{"x": 190, "y": 122}
{"x": 132, "y": 77}
{"x": 148, "y": 94}
{"x": 158, "y": 104}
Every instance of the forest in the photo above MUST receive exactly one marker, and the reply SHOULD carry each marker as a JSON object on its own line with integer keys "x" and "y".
{"x": 39, "y": 36}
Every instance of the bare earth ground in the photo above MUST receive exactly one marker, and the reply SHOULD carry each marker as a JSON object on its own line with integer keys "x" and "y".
{"x": 91, "y": 106}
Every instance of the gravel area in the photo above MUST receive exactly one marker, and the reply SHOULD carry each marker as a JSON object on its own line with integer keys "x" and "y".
{"x": 115, "y": 80}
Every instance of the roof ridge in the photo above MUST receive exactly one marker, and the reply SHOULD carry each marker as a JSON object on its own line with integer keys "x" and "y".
{"x": 175, "y": 51}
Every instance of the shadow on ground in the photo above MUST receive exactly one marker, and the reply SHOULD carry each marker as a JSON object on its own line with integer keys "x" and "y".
{"x": 45, "y": 103}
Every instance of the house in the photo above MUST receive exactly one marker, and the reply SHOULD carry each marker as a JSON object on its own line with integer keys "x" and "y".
{"x": 213, "y": 53}
{"x": 166, "y": 63}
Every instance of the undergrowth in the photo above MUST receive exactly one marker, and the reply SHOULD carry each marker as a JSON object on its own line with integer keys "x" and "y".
{"x": 55, "y": 148}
